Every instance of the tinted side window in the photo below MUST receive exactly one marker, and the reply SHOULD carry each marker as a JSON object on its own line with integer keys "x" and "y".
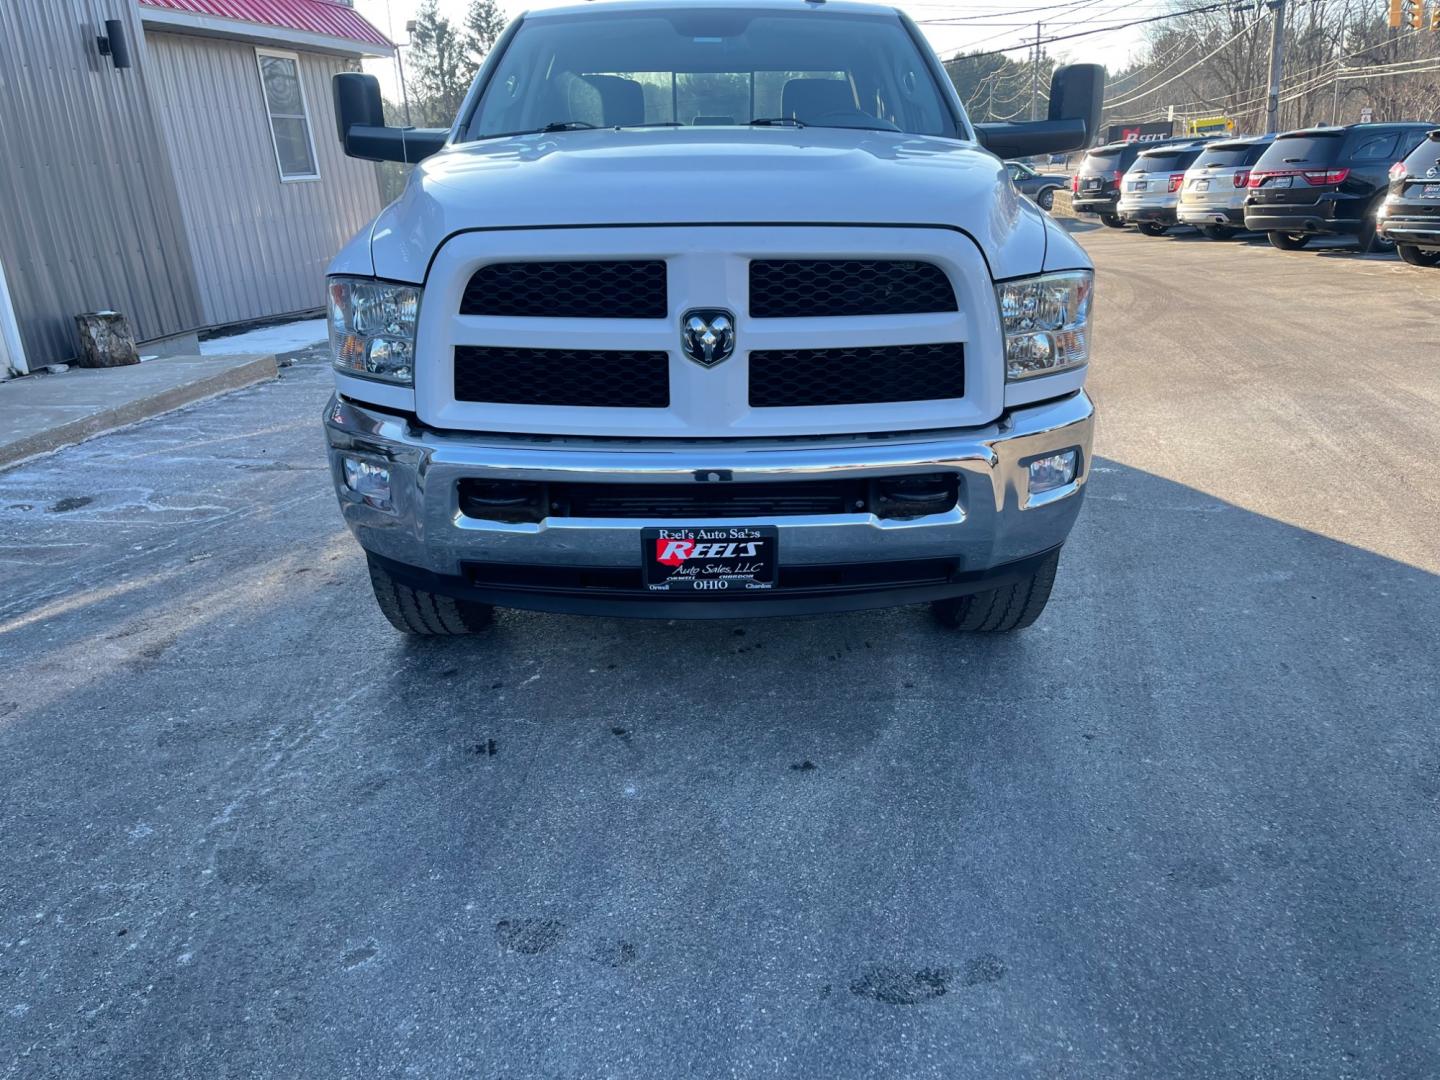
{"x": 1375, "y": 148}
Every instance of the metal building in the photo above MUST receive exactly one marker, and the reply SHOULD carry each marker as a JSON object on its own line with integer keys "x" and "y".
{"x": 198, "y": 186}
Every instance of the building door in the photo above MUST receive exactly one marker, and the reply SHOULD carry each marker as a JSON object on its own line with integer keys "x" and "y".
{"x": 12, "y": 353}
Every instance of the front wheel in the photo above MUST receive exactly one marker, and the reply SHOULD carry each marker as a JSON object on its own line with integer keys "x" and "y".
{"x": 998, "y": 611}
{"x": 1218, "y": 232}
{"x": 1288, "y": 241}
{"x": 1153, "y": 228}
{"x": 1046, "y": 198}
{"x": 426, "y": 614}
{"x": 1417, "y": 256}
{"x": 1114, "y": 221}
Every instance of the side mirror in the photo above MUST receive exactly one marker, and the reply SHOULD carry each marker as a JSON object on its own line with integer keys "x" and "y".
{"x": 360, "y": 119}
{"x": 1077, "y": 92}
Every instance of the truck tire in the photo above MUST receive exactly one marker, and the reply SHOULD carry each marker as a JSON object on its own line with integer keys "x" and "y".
{"x": 414, "y": 611}
{"x": 1153, "y": 228}
{"x": 1218, "y": 232}
{"x": 1114, "y": 221}
{"x": 1370, "y": 241}
{"x": 1417, "y": 256}
{"x": 998, "y": 611}
{"x": 1288, "y": 241}
{"x": 1046, "y": 199}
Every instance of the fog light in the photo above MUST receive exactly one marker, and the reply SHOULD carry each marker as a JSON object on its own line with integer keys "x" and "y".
{"x": 369, "y": 481}
{"x": 1054, "y": 471}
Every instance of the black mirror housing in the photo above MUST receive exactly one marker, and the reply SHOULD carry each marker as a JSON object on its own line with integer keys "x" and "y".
{"x": 1077, "y": 94}
{"x": 360, "y": 123}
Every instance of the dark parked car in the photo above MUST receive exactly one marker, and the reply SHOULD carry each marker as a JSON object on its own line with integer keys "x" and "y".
{"x": 1327, "y": 182}
{"x": 1039, "y": 186}
{"x": 1096, "y": 186}
{"x": 1410, "y": 214}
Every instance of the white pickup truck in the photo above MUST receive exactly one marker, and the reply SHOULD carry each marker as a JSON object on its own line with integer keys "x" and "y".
{"x": 711, "y": 310}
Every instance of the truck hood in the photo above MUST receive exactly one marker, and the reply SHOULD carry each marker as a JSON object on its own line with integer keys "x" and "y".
{"x": 709, "y": 176}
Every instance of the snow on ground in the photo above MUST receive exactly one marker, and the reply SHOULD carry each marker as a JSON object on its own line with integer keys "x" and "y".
{"x": 287, "y": 337}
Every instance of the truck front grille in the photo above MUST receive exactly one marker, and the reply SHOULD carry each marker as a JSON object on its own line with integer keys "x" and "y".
{"x": 569, "y": 290}
{"x": 811, "y": 288}
{"x": 616, "y": 379}
{"x": 789, "y": 377}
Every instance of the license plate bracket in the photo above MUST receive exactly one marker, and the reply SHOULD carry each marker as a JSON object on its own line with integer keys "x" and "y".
{"x": 710, "y": 559}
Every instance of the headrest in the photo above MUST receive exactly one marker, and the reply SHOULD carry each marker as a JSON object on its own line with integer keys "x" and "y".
{"x": 810, "y": 99}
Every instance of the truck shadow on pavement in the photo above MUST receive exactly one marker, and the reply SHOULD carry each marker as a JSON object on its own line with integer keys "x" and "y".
{"x": 1183, "y": 826}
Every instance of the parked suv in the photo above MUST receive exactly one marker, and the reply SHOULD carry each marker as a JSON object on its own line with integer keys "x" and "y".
{"x": 1327, "y": 182}
{"x": 1410, "y": 214}
{"x": 1150, "y": 188}
{"x": 711, "y": 309}
{"x": 1212, "y": 196}
{"x": 1095, "y": 188}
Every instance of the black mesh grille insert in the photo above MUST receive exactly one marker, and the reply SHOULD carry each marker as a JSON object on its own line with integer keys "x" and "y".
{"x": 785, "y": 377}
{"x": 615, "y": 379}
{"x": 663, "y": 502}
{"x": 801, "y": 288}
{"x": 569, "y": 290}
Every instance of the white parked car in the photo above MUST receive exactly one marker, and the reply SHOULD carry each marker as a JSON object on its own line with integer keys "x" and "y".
{"x": 711, "y": 309}
{"x": 1212, "y": 196}
{"x": 1150, "y": 188}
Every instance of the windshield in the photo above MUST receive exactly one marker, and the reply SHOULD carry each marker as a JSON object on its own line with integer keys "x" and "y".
{"x": 1108, "y": 161}
{"x": 1424, "y": 157}
{"x": 1290, "y": 150}
{"x": 1232, "y": 156}
{"x": 711, "y": 68}
{"x": 1171, "y": 161}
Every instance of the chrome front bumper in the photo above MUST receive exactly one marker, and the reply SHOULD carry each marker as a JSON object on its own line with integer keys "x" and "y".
{"x": 995, "y": 522}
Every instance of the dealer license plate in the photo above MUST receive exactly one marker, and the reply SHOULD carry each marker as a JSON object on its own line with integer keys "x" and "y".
{"x": 1279, "y": 181}
{"x": 1430, "y": 191}
{"x": 1137, "y": 185}
{"x": 720, "y": 559}
{"x": 1201, "y": 185}
{"x": 1094, "y": 185}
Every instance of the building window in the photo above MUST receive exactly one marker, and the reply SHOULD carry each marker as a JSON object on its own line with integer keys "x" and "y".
{"x": 289, "y": 123}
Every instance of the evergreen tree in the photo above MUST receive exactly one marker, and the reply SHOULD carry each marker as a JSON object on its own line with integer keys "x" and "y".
{"x": 484, "y": 23}
{"x": 440, "y": 67}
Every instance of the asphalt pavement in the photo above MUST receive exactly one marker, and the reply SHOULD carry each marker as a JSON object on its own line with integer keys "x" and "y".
{"x": 1183, "y": 827}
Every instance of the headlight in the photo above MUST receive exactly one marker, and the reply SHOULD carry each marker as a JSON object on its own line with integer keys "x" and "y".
{"x": 372, "y": 328}
{"x": 1047, "y": 322}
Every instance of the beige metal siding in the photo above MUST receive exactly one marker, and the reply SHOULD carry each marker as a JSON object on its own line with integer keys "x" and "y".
{"x": 259, "y": 245}
{"x": 87, "y": 202}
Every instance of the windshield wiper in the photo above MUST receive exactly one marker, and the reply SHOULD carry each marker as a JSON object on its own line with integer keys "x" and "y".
{"x": 778, "y": 121}
{"x": 556, "y": 125}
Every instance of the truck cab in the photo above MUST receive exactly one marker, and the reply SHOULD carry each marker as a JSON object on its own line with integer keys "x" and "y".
{"x": 711, "y": 311}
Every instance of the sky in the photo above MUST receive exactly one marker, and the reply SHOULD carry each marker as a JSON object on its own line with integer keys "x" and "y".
{"x": 988, "y": 24}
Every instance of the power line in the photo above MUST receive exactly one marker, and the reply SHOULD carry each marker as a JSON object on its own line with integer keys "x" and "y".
{"x": 1110, "y": 29}
{"x": 1218, "y": 49}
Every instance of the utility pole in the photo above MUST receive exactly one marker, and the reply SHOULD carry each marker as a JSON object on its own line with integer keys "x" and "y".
{"x": 1340, "y": 64}
{"x": 1277, "y": 66}
{"x": 1035, "y": 75}
{"x": 400, "y": 66}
